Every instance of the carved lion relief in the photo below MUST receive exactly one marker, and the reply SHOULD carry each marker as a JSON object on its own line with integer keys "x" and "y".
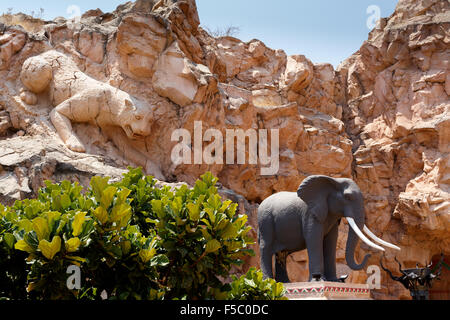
{"x": 76, "y": 97}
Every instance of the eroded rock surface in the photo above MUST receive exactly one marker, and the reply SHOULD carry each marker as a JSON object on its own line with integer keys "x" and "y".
{"x": 398, "y": 116}
{"x": 381, "y": 118}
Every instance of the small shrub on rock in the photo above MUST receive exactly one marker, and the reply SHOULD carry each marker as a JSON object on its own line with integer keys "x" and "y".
{"x": 251, "y": 286}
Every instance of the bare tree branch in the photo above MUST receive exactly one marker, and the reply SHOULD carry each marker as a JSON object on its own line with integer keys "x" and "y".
{"x": 228, "y": 31}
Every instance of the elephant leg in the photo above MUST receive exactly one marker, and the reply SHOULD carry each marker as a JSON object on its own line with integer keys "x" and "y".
{"x": 314, "y": 245}
{"x": 266, "y": 239}
{"x": 266, "y": 254}
{"x": 329, "y": 253}
{"x": 280, "y": 267}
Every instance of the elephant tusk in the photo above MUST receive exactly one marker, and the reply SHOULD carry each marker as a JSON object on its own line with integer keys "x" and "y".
{"x": 380, "y": 241}
{"x": 361, "y": 235}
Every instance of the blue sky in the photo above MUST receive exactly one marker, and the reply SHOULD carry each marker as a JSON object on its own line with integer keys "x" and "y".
{"x": 322, "y": 30}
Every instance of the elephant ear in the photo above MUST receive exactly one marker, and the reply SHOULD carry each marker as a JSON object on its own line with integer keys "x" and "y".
{"x": 314, "y": 190}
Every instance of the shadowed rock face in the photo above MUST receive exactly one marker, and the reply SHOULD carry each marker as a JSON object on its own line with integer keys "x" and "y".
{"x": 381, "y": 118}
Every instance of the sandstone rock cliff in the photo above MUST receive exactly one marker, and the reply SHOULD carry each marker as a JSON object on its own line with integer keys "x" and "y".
{"x": 397, "y": 113}
{"x": 381, "y": 118}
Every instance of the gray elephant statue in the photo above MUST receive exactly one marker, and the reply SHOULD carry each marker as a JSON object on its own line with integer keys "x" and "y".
{"x": 309, "y": 219}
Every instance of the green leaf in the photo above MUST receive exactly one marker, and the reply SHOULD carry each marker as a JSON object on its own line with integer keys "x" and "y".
{"x": 233, "y": 245}
{"x": 72, "y": 244}
{"x": 40, "y": 226}
{"x": 122, "y": 195}
{"x": 65, "y": 201}
{"x": 32, "y": 239}
{"x": 52, "y": 217}
{"x": 101, "y": 214}
{"x": 147, "y": 254}
{"x": 115, "y": 251}
{"x": 215, "y": 201}
{"x": 88, "y": 227}
{"x": 212, "y": 246}
{"x": 76, "y": 191}
{"x": 58, "y": 226}
{"x": 240, "y": 222}
{"x": 225, "y": 205}
{"x": 210, "y": 213}
{"x": 250, "y": 283}
{"x": 159, "y": 260}
{"x": 23, "y": 246}
{"x": 157, "y": 207}
{"x": 176, "y": 205}
{"x": 209, "y": 179}
{"x": 200, "y": 187}
{"x": 279, "y": 289}
{"x": 66, "y": 185}
{"x": 125, "y": 246}
{"x": 229, "y": 232}
{"x": 231, "y": 210}
{"x": 194, "y": 211}
{"x": 56, "y": 200}
{"x": 26, "y": 225}
{"x": 9, "y": 239}
{"x": 108, "y": 196}
{"x": 206, "y": 234}
{"x": 77, "y": 223}
{"x": 121, "y": 214}
{"x": 49, "y": 249}
{"x": 221, "y": 221}
{"x": 98, "y": 184}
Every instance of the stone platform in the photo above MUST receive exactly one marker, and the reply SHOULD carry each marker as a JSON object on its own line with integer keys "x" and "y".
{"x": 327, "y": 291}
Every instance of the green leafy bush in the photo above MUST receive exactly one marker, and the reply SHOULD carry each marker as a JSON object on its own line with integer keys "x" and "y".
{"x": 251, "y": 286}
{"x": 13, "y": 274}
{"x": 130, "y": 240}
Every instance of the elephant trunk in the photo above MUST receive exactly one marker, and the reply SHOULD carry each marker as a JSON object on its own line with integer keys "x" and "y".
{"x": 352, "y": 241}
